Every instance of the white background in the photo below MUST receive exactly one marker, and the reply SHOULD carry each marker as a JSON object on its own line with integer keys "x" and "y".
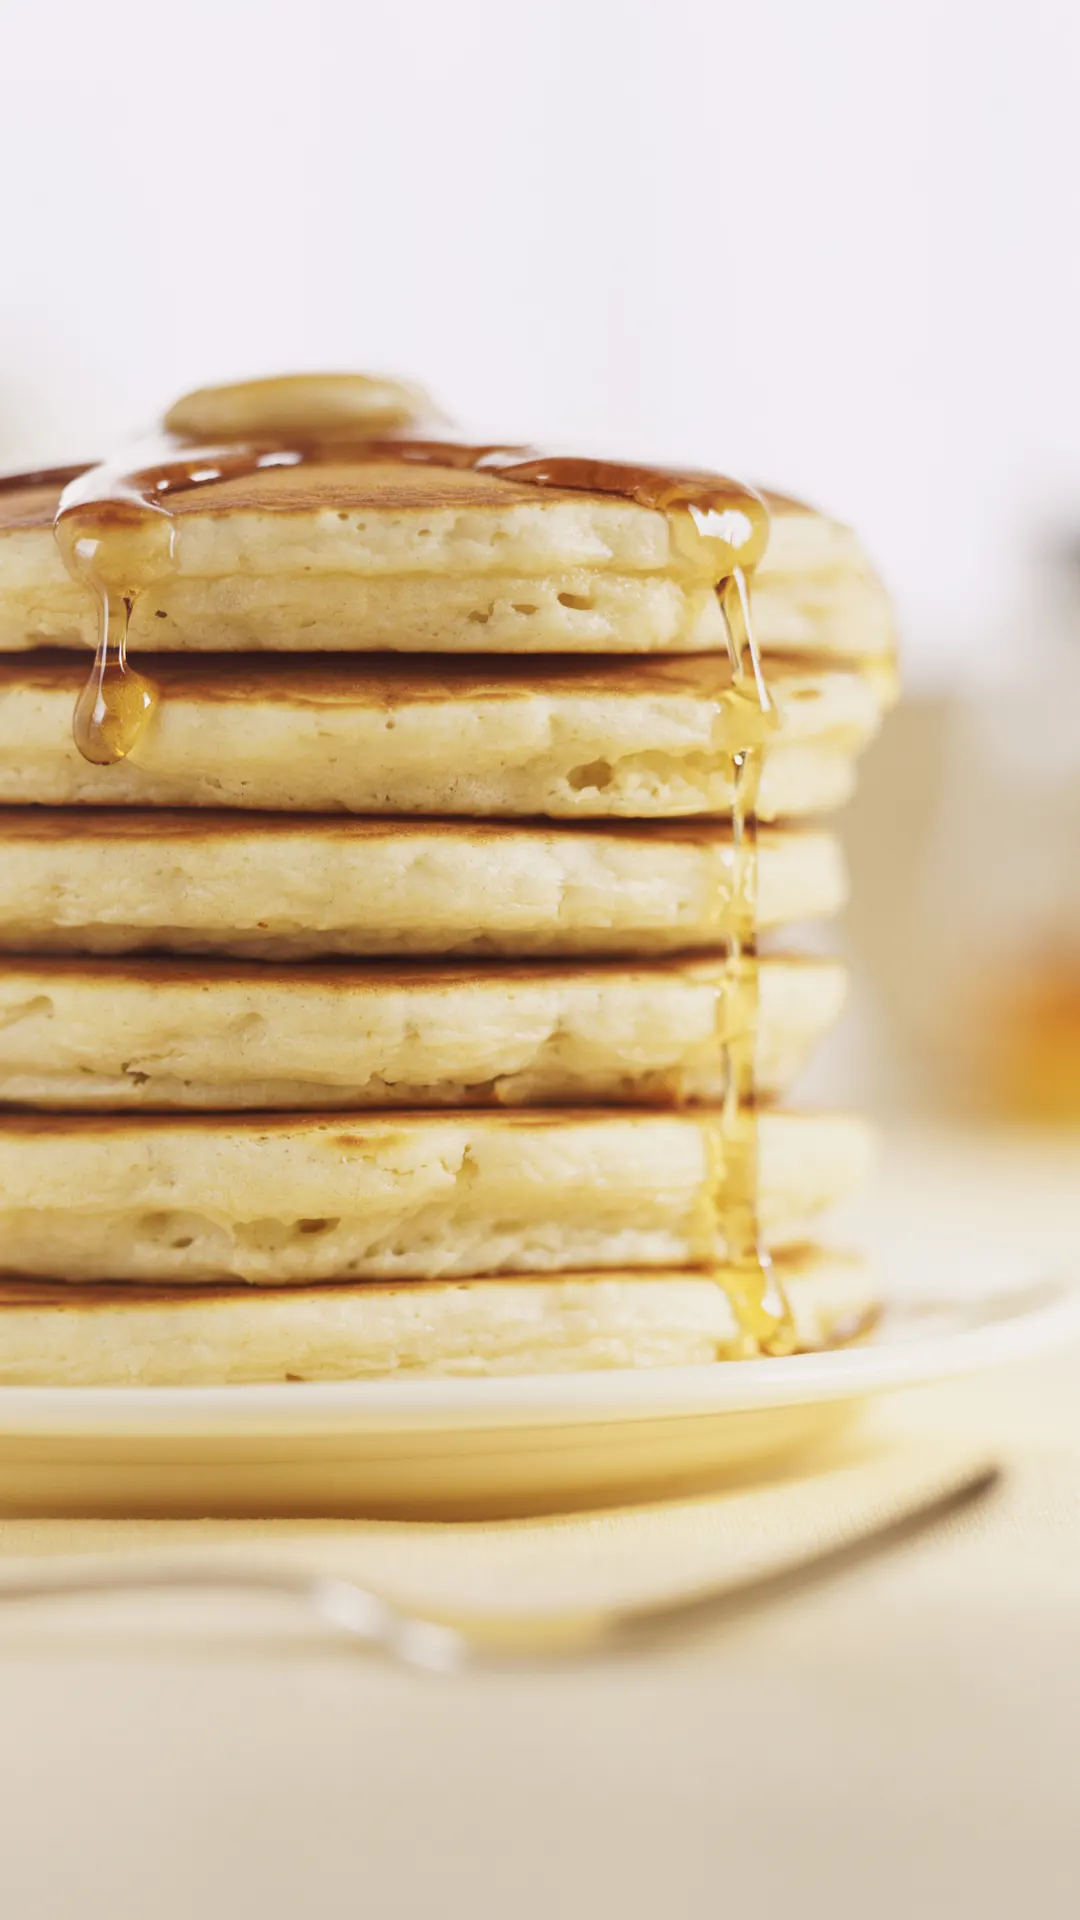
{"x": 832, "y": 246}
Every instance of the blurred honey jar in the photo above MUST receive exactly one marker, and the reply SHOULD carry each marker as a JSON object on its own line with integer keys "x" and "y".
{"x": 1003, "y": 870}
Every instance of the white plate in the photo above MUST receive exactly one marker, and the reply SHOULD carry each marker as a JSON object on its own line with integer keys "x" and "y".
{"x": 446, "y": 1446}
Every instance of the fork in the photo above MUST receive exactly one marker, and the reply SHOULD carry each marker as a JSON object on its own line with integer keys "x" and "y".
{"x": 434, "y": 1645}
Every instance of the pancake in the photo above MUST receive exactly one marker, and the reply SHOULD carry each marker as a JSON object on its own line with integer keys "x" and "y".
{"x": 635, "y": 739}
{"x": 137, "y": 1336}
{"x": 290, "y": 1199}
{"x": 157, "y": 1034}
{"x": 276, "y": 886}
{"x": 421, "y": 558}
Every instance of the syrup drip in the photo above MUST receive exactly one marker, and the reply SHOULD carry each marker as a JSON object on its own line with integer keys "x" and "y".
{"x": 117, "y": 533}
{"x": 755, "y": 1291}
{"x": 116, "y": 702}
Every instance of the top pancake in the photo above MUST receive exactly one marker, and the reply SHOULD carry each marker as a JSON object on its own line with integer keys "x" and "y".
{"x": 425, "y": 558}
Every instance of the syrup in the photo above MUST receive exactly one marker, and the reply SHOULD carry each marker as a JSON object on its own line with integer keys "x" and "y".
{"x": 756, "y": 1293}
{"x": 117, "y": 535}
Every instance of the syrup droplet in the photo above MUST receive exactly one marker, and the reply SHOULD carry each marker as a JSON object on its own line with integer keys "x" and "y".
{"x": 116, "y": 702}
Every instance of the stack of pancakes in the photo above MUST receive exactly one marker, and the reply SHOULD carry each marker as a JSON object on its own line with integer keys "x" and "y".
{"x": 380, "y": 1009}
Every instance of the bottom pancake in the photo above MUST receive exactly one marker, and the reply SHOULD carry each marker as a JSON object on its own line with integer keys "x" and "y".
{"x": 133, "y": 1336}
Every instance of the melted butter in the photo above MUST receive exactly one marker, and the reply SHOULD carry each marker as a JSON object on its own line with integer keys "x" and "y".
{"x": 320, "y": 406}
{"x": 116, "y": 531}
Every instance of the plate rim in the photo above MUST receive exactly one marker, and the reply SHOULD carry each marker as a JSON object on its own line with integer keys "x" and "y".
{"x": 1045, "y": 1314}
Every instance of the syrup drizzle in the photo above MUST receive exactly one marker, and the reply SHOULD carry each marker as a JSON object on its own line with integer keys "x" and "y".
{"x": 116, "y": 702}
{"x": 117, "y": 534}
{"x": 754, "y": 1288}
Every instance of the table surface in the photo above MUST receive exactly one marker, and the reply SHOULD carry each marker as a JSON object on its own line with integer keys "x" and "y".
{"x": 902, "y": 1740}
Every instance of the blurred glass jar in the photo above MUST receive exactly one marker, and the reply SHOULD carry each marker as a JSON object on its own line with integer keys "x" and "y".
{"x": 1000, "y": 907}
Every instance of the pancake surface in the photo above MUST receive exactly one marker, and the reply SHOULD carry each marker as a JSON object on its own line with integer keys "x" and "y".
{"x": 291, "y": 1199}
{"x": 157, "y": 1034}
